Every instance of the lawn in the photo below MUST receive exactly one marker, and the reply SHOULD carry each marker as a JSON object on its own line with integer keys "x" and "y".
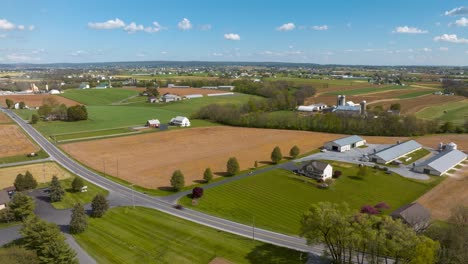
{"x": 20, "y": 158}
{"x": 320, "y": 82}
{"x": 455, "y": 112}
{"x": 71, "y": 198}
{"x": 418, "y": 154}
{"x": 415, "y": 94}
{"x": 361, "y": 91}
{"x": 95, "y": 133}
{"x": 98, "y": 96}
{"x": 143, "y": 235}
{"x": 278, "y": 198}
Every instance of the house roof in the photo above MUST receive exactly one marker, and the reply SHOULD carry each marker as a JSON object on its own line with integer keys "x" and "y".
{"x": 347, "y": 108}
{"x": 347, "y": 140}
{"x": 4, "y": 197}
{"x": 397, "y": 150}
{"x": 318, "y": 166}
{"x": 443, "y": 161}
{"x": 179, "y": 119}
{"x": 412, "y": 213}
{"x": 153, "y": 121}
{"x": 168, "y": 95}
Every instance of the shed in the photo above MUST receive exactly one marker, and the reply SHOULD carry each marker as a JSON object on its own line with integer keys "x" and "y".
{"x": 395, "y": 152}
{"x": 4, "y": 199}
{"x": 441, "y": 163}
{"x": 170, "y": 98}
{"x": 414, "y": 215}
{"x": 317, "y": 169}
{"x": 153, "y": 123}
{"x": 346, "y": 143}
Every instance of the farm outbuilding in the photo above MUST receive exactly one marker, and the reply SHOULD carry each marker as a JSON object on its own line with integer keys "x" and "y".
{"x": 312, "y": 107}
{"x": 180, "y": 121}
{"x": 170, "y": 98}
{"x": 395, "y": 152}
{"x": 414, "y": 215}
{"x": 4, "y": 199}
{"x": 441, "y": 163}
{"x": 153, "y": 123}
{"x": 317, "y": 169}
{"x": 345, "y": 144}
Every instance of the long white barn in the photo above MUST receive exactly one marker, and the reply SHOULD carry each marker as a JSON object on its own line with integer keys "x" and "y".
{"x": 441, "y": 163}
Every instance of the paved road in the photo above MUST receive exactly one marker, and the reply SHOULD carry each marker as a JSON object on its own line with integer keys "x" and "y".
{"x": 123, "y": 195}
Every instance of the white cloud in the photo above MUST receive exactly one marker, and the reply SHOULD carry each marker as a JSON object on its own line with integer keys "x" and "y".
{"x": 426, "y": 49}
{"x": 133, "y": 27}
{"x": 462, "y": 22}
{"x": 6, "y": 25}
{"x": 457, "y": 11}
{"x": 409, "y": 30}
{"x": 21, "y": 58}
{"x": 109, "y": 24}
{"x": 141, "y": 54}
{"x": 217, "y": 54}
{"x": 185, "y": 24}
{"x": 286, "y": 27}
{"x": 451, "y": 38}
{"x": 443, "y": 49}
{"x": 31, "y": 27}
{"x": 232, "y": 36}
{"x": 163, "y": 52}
{"x": 155, "y": 28}
{"x": 21, "y": 27}
{"x": 79, "y": 53}
{"x": 322, "y": 27}
{"x": 205, "y": 27}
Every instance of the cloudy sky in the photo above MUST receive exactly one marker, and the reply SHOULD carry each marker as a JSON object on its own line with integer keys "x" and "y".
{"x": 397, "y": 32}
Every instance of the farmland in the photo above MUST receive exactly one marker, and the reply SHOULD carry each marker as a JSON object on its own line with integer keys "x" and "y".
{"x": 99, "y": 96}
{"x": 14, "y": 142}
{"x": 71, "y": 198}
{"x": 142, "y": 235}
{"x": 34, "y": 100}
{"x": 455, "y": 112}
{"x": 277, "y": 199}
{"x": 413, "y": 105}
{"x": 42, "y": 172}
{"x": 4, "y": 118}
{"x": 369, "y": 90}
{"x": 182, "y": 91}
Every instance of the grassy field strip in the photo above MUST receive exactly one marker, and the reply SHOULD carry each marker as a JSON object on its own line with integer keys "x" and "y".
{"x": 453, "y": 111}
{"x": 92, "y": 133}
{"x": 143, "y": 235}
{"x": 98, "y": 137}
{"x": 278, "y": 198}
{"x": 98, "y": 96}
{"x": 415, "y": 94}
{"x": 361, "y": 91}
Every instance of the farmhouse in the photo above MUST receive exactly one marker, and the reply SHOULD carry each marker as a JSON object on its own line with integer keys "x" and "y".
{"x": 152, "y": 99}
{"x": 346, "y": 143}
{"x": 395, "y": 152}
{"x": 54, "y": 91}
{"x": 180, "y": 121}
{"x": 317, "y": 170}
{"x": 441, "y": 163}
{"x": 4, "y": 199}
{"x": 414, "y": 215}
{"x": 170, "y": 98}
{"x": 153, "y": 123}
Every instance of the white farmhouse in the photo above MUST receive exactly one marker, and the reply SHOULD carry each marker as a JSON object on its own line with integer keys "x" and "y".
{"x": 317, "y": 169}
{"x": 180, "y": 121}
{"x": 345, "y": 144}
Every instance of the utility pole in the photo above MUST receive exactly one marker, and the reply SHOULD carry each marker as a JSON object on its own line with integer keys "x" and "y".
{"x": 253, "y": 228}
{"x": 104, "y": 166}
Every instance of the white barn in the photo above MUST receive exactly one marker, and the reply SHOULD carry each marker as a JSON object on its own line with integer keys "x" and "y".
{"x": 180, "y": 121}
{"x": 395, "y": 152}
{"x": 345, "y": 144}
{"x": 441, "y": 163}
{"x": 312, "y": 107}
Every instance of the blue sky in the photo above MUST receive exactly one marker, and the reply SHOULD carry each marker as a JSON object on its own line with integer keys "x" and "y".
{"x": 431, "y": 32}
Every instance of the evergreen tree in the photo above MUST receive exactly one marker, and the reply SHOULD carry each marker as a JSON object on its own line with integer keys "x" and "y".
{"x": 19, "y": 183}
{"x": 77, "y": 184}
{"x": 18, "y": 255}
{"x": 29, "y": 181}
{"x": 232, "y": 166}
{"x": 99, "y": 205}
{"x": 79, "y": 221}
{"x": 208, "y": 175}
{"x": 34, "y": 119}
{"x": 9, "y": 103}
{"x": 294, "y": 152}
{"x": 21, "y": 206}
{"x": 56, "y": 190}
{"x": 276, "y": 155}
{"x": 177, "y": 180}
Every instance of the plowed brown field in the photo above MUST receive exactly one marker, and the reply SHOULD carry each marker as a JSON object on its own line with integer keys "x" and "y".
{"x": 13, "y": 142}
{"x": 4, "y": 118}
{"x": 416, "y": 104}
{"x": 33, "y": 100}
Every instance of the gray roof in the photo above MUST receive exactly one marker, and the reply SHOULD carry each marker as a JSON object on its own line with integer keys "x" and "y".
{"x": 4, "y": 197}
{"x": 348, "y": 108}
{"x": 398, "y": 150}
{"x": 179, "y": 119}
{"x": 412, "y": 213}
{"x": 347, "y": 140}
{"x": 443, "y": 161}
{"x": 318, "y": 166}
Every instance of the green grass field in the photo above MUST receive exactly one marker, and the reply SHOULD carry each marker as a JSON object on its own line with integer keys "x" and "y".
{"x": 95, "y": 133}
{"x": 361, "y": 91}
{"x": 414, "y": 94}
{"x": 41, "y": 154}
{"x": 277, "y": 199}
{"x": 71, "y": 198}
{"x": 418, "y": 154}
{"x": 455, "y": 112}
{"x": 318, "y": 82}
{"x": 98, "y": 96}
{"x": 142, "y": 235}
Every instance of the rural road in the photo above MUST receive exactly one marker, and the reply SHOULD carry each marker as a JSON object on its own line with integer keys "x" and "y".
{"x": 120, "y": 195}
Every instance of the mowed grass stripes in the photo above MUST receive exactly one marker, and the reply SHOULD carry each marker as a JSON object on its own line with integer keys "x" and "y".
{"x": 277, "y": 199}
{"x": 142, "y": 235}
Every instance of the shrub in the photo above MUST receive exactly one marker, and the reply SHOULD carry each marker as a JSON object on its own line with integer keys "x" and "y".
{"x": 34, "y": 119}
{"x": 276, "y": 155}
{"x": 382, "y": 206}
{"x": 77, "y": 184}
{"x": 232, "y": 166}
{"x": 177, "y": 180}
{"x": 336, "y": 174}
{"x": 208, "y": 175}
{"x": 99, "y": 205}
{"x": 294, "y": 152}
{"x": 385, "y": 169}
{"x": 369, "y": 209}
{"x": 197, "y": 192}
{"x": 329, "y": 181}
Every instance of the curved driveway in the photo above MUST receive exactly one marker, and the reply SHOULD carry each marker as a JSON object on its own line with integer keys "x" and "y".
{"x": 120, "y": 195}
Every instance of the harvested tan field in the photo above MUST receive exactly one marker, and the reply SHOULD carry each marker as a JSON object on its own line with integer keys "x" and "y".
{"x": 4, "y": 118}
{"x": 332, "y": 88}
{"x": 183, "y": 91}
{"x": 42, "y": 172}
{"x": 13, "y": 142}
{"x": 416, "y": 104}
{"x": 33, "y": 100}
{"x": 447, "y": 195}
{"x": 149, "y": 160}
{"x": 433, "y": 141}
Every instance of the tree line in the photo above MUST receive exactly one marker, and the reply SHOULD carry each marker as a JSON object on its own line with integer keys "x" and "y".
{"x": 52, "y": 110}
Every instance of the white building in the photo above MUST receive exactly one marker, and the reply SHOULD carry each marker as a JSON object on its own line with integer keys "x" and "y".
{"x": 345, "y": 144}
{"x": 312, "y": 108}
{"x": 317, "y": 169}
{"x": 54, "y": 91}
{"x": 441, "y": 163}
{"x": 170, "y": 98}
{"x": 180, "y": 121}
{"x": 395, "y": 152}
{"x": 153, "y": 123}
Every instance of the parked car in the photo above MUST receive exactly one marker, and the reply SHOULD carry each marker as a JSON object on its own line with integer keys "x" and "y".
{"x": 178, "y": 207}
